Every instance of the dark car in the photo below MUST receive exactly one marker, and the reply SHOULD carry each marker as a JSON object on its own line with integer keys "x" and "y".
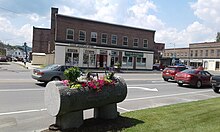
{"x": 215, "y": 81}
{"x": 158, "y": 66}
{"x": 194, "y": 77}
{"x": 3, "y": 59}
{"x": 50, "y": 73}
{"x": 170, "y": 72}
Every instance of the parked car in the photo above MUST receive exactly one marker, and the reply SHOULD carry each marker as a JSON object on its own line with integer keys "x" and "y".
{"x": 193, "y": 77}
{"x": 3, "y": 59}
{"x": 170, "y": 72}
{"x": 50, "y": 73}
{"x": 215, "y": 81}
{"x": 158, "y": 66}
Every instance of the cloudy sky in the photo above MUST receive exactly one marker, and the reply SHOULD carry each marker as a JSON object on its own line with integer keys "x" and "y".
{"x": 175, "y": 22}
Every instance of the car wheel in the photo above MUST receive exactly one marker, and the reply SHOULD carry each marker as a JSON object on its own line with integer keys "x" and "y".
{"x": 198, "y": 84}
{"x": 215, "y": 89}
{"x": 180, "y": 84}
{"x": 55, "y": 79}
{"x": 165, "y": 79}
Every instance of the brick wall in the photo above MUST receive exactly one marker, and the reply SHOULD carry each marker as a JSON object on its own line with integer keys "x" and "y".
{"x": 41, "y": 38}
{"x": 65, "y": 22}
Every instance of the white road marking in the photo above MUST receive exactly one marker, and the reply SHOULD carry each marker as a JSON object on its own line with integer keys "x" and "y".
{"x": 123, "y": 109}
{"x": 157, "y": 81}
{"x": 152, "y": 84}
{"x": 16, "y": 80}
{"x": 143, "y": 88}
{"x": 20, "y": 112}
{"x": 18, "y": 90}
{"x": 170, "y": 95}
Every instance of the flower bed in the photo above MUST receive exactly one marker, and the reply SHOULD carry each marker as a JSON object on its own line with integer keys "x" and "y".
{"x": 75, "y": 81}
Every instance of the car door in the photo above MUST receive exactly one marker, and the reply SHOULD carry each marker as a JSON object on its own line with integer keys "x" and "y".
{"x": 205, "y": 77}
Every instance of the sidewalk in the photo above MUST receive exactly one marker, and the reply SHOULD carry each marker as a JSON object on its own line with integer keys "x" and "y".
{"x": 28, "y": 65}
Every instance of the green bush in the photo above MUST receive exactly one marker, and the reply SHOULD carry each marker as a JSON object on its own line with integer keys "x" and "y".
{"x": 72, "y": 74}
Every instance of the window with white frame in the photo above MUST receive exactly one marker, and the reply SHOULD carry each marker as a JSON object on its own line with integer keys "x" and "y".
{"x": 135, "y": 42}
{"x": 125, "y": 40}
{"x": 94, "y": 37}
{"x": 104, "y": 38}
{"x": 69, "y": 34}
{"x": 127, "y": 61}
{"x": 141, "y": 61}
{"x": 82, "y": 35}
{"x": 114, "y": 39}
{"x": 145, "y": 43}
{"x": 201, "y": 53}
{"x": 218, "y": 52}
{"x": 212, "y": 52}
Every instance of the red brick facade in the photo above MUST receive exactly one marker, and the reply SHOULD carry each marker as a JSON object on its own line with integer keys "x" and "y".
{"x": 41, "y": 37}
{"x": 66, "y": 22}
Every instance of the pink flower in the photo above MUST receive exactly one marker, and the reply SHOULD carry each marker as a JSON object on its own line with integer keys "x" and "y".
{"x": 65, "y": 82}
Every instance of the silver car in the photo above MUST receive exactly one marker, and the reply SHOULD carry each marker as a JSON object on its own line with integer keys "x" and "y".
{"x": 50, "y": 73}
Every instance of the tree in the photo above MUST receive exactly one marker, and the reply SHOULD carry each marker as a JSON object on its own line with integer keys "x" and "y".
{"x": 218, "y": 37}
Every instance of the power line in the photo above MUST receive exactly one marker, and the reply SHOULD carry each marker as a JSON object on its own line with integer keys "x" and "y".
{"x": 9, "y": 10}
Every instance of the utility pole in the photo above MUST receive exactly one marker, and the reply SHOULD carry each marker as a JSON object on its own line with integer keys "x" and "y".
{"x": 25, "y": 50}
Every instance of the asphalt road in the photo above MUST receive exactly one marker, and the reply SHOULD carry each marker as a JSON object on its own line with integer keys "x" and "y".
{"x": 22, "y": 98}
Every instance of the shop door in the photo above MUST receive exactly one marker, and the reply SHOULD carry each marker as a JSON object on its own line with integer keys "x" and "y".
{"x": 113, "y": 61}
{"x": 101, "y": 59}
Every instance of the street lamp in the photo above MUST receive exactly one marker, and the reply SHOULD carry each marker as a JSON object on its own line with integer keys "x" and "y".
{"x": 174, "y": 53}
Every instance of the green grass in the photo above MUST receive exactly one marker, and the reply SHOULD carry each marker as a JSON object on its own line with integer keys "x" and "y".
{"x": 198, "y": 116}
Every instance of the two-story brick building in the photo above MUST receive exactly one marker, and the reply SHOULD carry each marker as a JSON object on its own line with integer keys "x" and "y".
{"x": 88, "y": 43}
{"x": 205, "y": 54}
{"x": 93, "y": 44}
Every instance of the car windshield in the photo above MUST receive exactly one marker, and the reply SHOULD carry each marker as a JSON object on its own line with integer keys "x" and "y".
{"x": 189, "y": 71}
{"x": 170, "y": 68}
{"x": 53, "y": 66}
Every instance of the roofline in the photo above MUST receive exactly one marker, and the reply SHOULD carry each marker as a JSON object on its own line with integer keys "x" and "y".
{"x": 204, "y": 43}
{"x": 40, "y": 28}
{"x": 71, "y": 17}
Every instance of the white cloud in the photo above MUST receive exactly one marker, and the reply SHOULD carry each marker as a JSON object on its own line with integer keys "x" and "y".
{"x": 5, "y": 25}
{"x": 207, "y": 10}
{"x": 194, "y": 33}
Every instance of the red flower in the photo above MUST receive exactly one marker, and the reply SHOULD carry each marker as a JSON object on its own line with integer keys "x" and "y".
{"x": 83, "y": 84}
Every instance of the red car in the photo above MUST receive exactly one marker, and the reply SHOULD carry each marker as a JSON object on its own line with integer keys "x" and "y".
{"x": 193, "y": 77}
{"x": 170, "y": 72}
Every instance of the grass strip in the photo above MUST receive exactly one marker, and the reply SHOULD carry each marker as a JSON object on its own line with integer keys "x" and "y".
{"x": 197, "y": 116}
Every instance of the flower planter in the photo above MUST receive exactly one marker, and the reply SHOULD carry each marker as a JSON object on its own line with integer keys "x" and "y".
{"x": 68, "y": 104}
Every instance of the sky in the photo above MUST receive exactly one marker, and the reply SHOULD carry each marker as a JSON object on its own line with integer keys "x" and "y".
{"x": 177, "y": 22}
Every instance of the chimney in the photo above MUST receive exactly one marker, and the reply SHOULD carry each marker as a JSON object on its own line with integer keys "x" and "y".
{"x": 54, "y": 11}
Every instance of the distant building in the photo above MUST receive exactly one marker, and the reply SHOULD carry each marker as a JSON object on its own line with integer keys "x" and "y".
{"x": 158, "y": 51}
{"x": 205, "y": 54}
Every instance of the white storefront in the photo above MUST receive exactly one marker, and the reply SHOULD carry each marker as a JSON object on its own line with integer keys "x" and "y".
{"x": 95, "y": 57}
{"x": 211, "y": 64}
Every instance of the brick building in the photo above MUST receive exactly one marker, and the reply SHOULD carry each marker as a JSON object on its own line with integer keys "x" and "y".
{"x": 206, "y": 54}
{"x": 41, "y": 39}
{"x": 158, "y": 51}
{"x": 94, "y": 44}
{"x": 88, "y": 43}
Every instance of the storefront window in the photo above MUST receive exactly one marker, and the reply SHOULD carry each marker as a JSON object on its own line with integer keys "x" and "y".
{"x": 141, "y": 61}
{"x": 89, "y": 59}
{"x": 75, "y": 61}
{"x": 127, "y": 61}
